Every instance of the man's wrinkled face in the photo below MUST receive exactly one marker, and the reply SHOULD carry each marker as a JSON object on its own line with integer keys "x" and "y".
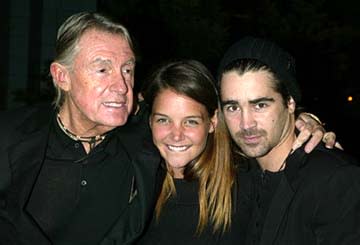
{"x": 254, "y": 112}
{"x": 101, "y": 80}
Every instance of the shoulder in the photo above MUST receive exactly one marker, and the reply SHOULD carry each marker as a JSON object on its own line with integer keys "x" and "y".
{"x": 326, "y": 168}
{"x": 17, "y": 116}
{"x": 23, "y": 120}
{"x": 332, "y": 180}
{"x": 330, "y": 160}
{"x": 322, "y": 159}
{"x": 136, "y": 133}
{"x": 136, "y": 140}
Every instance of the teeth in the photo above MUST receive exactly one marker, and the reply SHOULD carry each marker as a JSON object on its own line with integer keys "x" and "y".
{"x": 177, "y": 148}
{"x": 113, "y": 104}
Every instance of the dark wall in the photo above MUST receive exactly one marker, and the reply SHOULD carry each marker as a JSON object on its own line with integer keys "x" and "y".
{"x": 4, "y": 50}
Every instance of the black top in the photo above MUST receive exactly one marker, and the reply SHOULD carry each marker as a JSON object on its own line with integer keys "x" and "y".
{"x": 179, "y": 218}
{"x": 85, "y": 195}
{"x": 51, "y": 192}
{"x": 314, "y": 200}
{"x": 265, "y": 184}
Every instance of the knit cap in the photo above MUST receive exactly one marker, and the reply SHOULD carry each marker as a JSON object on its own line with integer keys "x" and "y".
{"x": 267, "y": 52}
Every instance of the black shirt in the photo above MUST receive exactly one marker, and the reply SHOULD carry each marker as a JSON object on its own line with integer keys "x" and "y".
{"x": 85, "y": 193}
{"x": 265, "y": 183}
{"x": 180, "y": 215}
{"x": 314, "y": 200}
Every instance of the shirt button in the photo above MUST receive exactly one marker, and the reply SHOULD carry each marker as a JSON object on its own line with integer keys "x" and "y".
{"x": 83, "y": 183}
{"x": 76, "y": 145}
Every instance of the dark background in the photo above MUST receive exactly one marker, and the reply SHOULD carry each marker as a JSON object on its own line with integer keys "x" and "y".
{"x": 322, "y": 35}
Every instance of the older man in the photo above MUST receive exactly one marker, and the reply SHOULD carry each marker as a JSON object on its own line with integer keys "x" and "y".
{"x": 77, "y": 174}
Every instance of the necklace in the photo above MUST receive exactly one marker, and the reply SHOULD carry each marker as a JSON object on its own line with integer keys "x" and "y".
{"x": 282, "y": 166}
{"x": 284, "y": 163}
{"x": 91, "y": 140}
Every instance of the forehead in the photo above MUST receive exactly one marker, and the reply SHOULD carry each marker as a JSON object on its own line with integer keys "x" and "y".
{"x": 176, "y": 103}
{"x": 96, "y": 42}
{"x": 251, "y": 84}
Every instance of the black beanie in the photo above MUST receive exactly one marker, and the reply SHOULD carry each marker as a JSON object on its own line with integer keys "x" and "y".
{"x": 267, "y": 52}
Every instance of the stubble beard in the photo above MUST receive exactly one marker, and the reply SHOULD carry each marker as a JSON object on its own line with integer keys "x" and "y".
{"x": 253, "y": 150}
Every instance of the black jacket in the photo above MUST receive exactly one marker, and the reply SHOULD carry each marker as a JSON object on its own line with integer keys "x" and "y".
{"x": 24, "y": 137}
{"x": 317, "y": 201}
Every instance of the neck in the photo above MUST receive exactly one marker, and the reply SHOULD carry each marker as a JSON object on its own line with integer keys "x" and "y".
{"x": 275, "y": 160}
{"x": 79, "y": 124}
{"x": 88, "y": 138}
{"x": 177, "y": 173}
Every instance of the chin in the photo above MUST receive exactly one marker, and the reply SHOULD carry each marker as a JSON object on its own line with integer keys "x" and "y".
{"x": 119, "y": 122}
{"x": 176, "y": 164}
{"x": 114, "y": 122}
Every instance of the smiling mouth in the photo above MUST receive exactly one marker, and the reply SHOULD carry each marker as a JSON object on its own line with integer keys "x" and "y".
{"x": 114, "y": 104}
{"x": 177, "y": 148}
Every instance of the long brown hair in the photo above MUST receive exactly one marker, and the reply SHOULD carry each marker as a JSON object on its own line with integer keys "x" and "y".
{"x": 214, "y": 169}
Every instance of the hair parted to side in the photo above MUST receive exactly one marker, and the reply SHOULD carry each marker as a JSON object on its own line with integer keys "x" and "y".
{"x": 214, "y": 169}
{"x": 69, "y": 34}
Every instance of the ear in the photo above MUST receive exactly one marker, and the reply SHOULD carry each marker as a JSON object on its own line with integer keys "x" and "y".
{"x": 213, "y": 122}
{"x": 60, "y": 75}
{"x": 291, "y": 105}
{"x": 150, "y": 121}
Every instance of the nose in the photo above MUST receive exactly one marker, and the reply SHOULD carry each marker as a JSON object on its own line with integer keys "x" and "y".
{"x": 177, "y": 133}
{"x": 119, "y": 84}
{"x": 247, "y": 120}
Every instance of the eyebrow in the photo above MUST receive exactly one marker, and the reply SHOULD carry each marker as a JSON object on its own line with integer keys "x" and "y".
{"x": 158, "y": 114}
{"x": 131, "y": 61}
{"x": 101, "y": 60}
{"x": 228, "y": 102}
{"x": 188, "y": 117}
{"x": 262, "y": 99}
{"x": 254, "y": 101}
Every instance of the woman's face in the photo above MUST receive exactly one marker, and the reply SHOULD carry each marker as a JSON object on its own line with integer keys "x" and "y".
{"x": 180, "y": 127}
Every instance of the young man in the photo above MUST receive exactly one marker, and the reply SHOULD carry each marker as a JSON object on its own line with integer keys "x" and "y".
{"x": 299, "y": 198}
